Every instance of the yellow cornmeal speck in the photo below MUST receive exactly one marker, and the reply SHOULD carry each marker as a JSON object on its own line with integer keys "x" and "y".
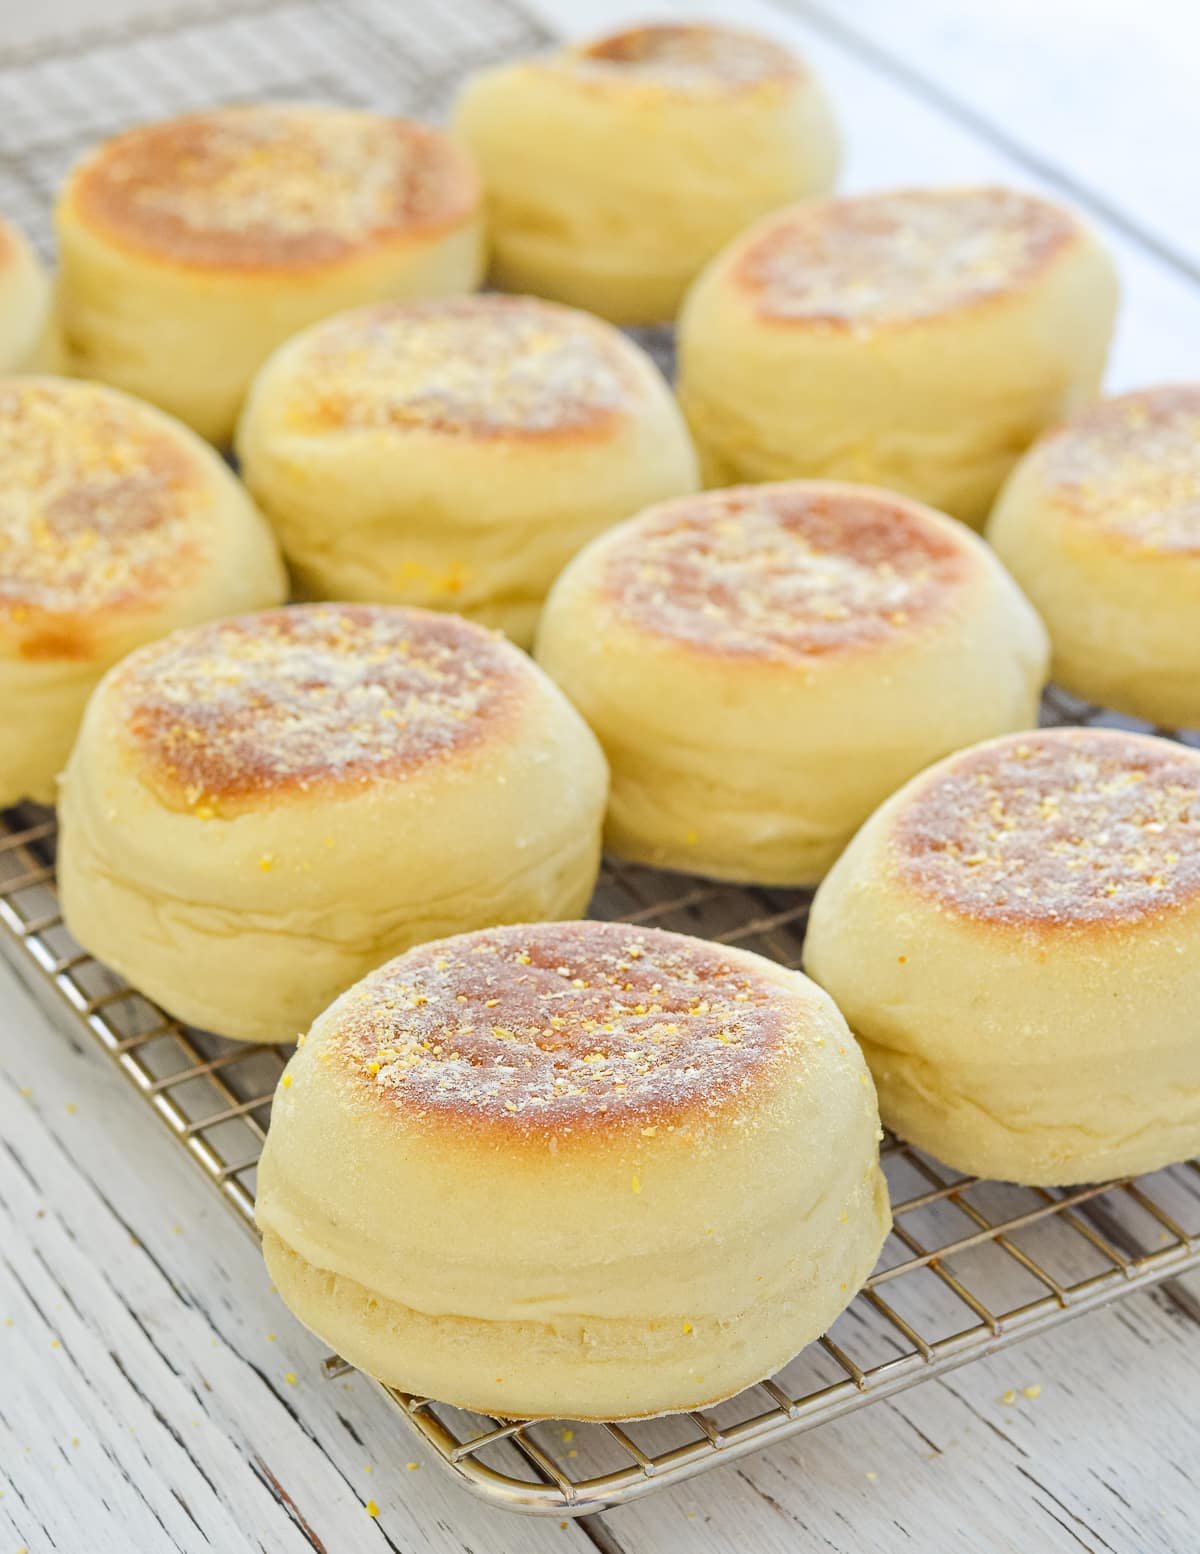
{"x": 470, "y": 1030}
{"x": 412, "y": 1466}
{"x": 1031, "y": 1392}
{"x": 271, "y": 1338}
{"x": 372, "y": 1508}
{"x": 267, "y": 862}
{"x": 71, "y": 1108}
{"x": 291, "y": 698}
{"x": 750, "y": 573}
{"x": 692, "y": 838}
{"x": 568, "y": 1436}
{"x": 1121, "y": 840}
{"x": 899, "y": 256}
{"x": 101, "y": 504}
{"x": 290, "y": 1378}
{"x": 1131, "y": 466}
{"x": 494, "y": 366}
{"x": 1009, "y": 1397}
{"x": 572, "y": 1453}
{"x": 367, "y": 1468}
{"x": 286, "y": 1081}
{"x": 285, "y": 181}
{"x": 687, "y": 1327}
{"x": 635, "y": 1184}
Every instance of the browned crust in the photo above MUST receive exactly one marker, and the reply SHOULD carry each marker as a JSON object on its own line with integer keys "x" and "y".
{"x": 901, "y": 258}
{"x": 1130, "y": 466}
{"x": 104, "y": 509}
{"x": 486, "y": 368}
{"x": 269, "y": 189}
{"x": 687, "y": 57}
{"x": 1055, "y": 830}
{"x": 785, "y": 572}
{"x": 315, "y": 699}
{"x": 570, "y": 1027}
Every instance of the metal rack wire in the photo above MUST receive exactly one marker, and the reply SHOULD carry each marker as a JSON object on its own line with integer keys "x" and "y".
{"x": 970, "y": 1267}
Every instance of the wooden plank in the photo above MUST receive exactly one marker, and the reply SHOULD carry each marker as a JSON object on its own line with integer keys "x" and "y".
{"x": 154, "y": 1393}
{"x": 191, "y": 1436}
{"x": 1083, "y": 1438}
{"x": 1103, "y": 1459}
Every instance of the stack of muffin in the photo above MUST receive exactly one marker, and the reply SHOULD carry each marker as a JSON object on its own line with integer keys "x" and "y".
{"x": 810, "y": 672}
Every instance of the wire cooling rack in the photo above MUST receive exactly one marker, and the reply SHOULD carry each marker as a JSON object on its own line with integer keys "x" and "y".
{"x": 970, "y": 1266}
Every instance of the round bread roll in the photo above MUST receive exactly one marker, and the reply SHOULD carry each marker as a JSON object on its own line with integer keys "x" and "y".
{"x": 661, "y": 1159}
{"x": 29, "y": 336}
{"x": 1015, "y": 940}
{"x": 917, "y": 339}
{"x": 1100, "y": 523}
{"x": 456, "y": 454}
{"x": 764, "y": 665}
{"x": 615, "y": 169}
{"x": 190, "y": 249}
{"x": 116, "y": 526}
{"x": 260, "y": 810}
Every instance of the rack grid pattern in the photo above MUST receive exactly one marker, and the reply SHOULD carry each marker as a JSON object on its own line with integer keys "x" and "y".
{"x": 970, "y": 1267}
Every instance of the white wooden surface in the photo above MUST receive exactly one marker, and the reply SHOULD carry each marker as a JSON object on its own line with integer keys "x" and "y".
{"x": 154, "y": 1395}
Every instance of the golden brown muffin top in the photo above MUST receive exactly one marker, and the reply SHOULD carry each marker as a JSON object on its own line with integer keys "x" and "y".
{"x": 572, "y": 1025}
{"x": 319, "y": 697}
{"x": 899, "y": 257}
{"x": 483, "y": 367}
{"x": 687, "y": 57}
{"x": 785, "y": 572}
{"x": 267, "y": 187}
{"x": 104, "y": 506}
{"x": 1131, "y": 466}
{"x": 1060, "y": 828}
